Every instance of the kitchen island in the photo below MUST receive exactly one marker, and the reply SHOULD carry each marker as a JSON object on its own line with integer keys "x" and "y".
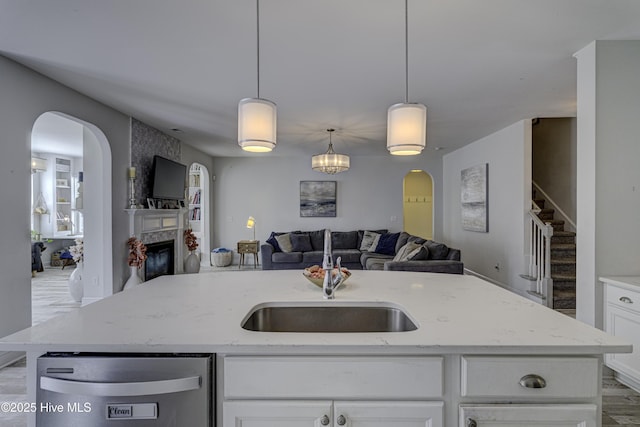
{"x": 479, "y": 352}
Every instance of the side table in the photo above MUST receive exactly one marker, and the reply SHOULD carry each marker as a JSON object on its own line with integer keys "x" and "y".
{"x": 248, "y": 247}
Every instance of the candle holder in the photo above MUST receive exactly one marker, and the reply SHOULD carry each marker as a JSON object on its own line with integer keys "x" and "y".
{"x": 132, "y": 191}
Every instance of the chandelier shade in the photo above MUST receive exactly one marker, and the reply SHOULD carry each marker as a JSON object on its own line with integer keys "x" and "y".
{"x": 330, "y": 162}
{"x": 257, "y": 124}
{"x": 406, "y": 129}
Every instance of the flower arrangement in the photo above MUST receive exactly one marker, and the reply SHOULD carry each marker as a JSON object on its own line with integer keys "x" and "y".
{"x": 137, "y": 252}
{"x": 190, "y": 240}
{"x": 77, "y": 251}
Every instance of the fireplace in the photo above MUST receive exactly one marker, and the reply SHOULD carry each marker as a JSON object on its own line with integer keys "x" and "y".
{"x": 160, "y": 259}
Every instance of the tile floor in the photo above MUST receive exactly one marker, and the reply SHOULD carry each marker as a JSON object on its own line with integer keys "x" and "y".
{"x": 621, "y": 405}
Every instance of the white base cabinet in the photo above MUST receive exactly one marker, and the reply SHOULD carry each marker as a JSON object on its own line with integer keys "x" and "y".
{"x": 409, "y": 391}
{"x": 622, "y": 319}
{"x": 327, "y": 413}
{"x": 528, "y": 415}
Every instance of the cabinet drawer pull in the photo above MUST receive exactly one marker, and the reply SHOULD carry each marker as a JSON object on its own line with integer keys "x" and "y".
{"x": 533, "y": 381}
{"x": 342, "y": 420}
{"x": 325, "y": 420}
{"x": 626, "y": 300}
{"x": 471, "y": 422}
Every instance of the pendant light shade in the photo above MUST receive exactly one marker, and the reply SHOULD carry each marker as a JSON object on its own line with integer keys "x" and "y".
{"x": 257, "y": 125}
{"x": 406, "y": 129}
{"x": 406, "y": 122}
{"x": 257, "y": 117}
{"x": 330, "y": 162}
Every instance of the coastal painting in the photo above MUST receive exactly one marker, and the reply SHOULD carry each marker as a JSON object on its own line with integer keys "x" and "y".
{"x": 317, "y": 198}
{"x": 473, "y": 198}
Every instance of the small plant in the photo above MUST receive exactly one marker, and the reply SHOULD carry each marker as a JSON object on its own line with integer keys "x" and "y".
{"x": 190, "y": 240}
{"x": 137, "y": 252}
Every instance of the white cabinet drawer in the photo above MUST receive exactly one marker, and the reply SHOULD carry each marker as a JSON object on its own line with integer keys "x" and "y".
{"x": 501, "y": 377}
{"x": 624, "y": 298}
{"x": 302, "y": 377}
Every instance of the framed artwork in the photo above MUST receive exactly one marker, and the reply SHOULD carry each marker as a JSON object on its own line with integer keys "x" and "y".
{"x": 473, "y": 198}
{"x": 151, "y": 203}
{"x": 318, "y": 198}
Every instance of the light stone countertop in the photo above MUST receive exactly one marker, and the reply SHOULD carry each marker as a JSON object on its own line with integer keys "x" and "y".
{"x": 203, "y": 313}
{"x": 629, "y": 282}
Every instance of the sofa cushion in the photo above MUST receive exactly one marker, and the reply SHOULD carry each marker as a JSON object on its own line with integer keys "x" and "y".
{"x": 284, "y": 241}
{"x": 273, "y": 242}
{"x": 409, "y": 252}
{"x": 300, "y": 242}
{"x": 344, "y": 240}
{"x": 317, "y": 240}
{"x": 312, "y": 257}
{"x": 347, "y": 255}
{"x": 437, "y": 251}
{"x": 376, "y": 263}
{"x": 416, "y": 239}
{"x": 286, "y": 257}
{"x": 387, "y": 244}
{"x": 369, "y": 241}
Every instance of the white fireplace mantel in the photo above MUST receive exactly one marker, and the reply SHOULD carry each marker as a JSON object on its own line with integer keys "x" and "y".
{"x": 145, "y": 222}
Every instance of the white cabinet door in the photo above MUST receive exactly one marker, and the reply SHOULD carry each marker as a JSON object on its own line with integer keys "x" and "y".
{"x": 284, "y": 413}
{"x": 527, "y": 415}
{"x": 624, "y": 324}
{"x": 388, "y": 414}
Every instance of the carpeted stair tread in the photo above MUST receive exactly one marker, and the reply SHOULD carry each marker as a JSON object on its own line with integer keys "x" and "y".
{"x": 563, "y": 261}
{"x": 563, "y": 246}
{"x": 563, "y": 277}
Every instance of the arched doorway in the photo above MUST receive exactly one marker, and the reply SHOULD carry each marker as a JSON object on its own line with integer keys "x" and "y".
{"x": 92, "y": 219}
{"x": 417, "y": 209}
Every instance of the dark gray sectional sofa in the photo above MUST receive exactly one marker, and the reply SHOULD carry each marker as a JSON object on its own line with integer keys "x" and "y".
{"x": 307, "y": 250}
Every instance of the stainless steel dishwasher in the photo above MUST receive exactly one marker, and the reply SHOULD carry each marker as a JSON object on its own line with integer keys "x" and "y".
{"x": 124, "y": 390}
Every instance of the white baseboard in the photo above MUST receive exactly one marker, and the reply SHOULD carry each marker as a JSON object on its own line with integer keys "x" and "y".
{"x": 502, "y": 285}
{"x": 628, "y": 381}
{"x": 9, "y": 357}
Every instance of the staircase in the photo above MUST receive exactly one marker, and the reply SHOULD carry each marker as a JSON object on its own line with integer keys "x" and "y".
{"x": 563, "y": 259}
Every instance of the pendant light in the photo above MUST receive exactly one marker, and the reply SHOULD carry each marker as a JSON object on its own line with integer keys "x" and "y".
{"x": 330, "y": 162}
{"x": 406, "y": 122}
{"x": 256, "y": 116}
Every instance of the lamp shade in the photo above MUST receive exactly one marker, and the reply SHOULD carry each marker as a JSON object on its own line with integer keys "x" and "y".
{"x": 406, "y": 129}
{"x": 251, "y": 222}
{"x": 330, "y": 163}
{"x": 257, "y": 125}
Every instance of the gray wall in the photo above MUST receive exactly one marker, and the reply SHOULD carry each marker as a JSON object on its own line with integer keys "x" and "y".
{"x": 508, "y": 154}
{"x": 25, "y": 96}
{"x": 608, "y": 192}
{"x": 554, "y": 161}
{"x": 369, "y": 195}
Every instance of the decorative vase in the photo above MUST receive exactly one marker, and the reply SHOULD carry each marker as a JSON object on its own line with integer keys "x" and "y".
{"x": 192, "y": 263}
{"x": 76, "y": 287}
{"x": 133, "y": 280}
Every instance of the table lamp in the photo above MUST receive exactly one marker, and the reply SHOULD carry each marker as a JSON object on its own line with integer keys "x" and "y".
{"x": 251, "y": 223}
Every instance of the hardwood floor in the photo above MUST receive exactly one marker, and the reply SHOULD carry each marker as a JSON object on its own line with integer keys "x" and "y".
{"x": 621, "y": 405}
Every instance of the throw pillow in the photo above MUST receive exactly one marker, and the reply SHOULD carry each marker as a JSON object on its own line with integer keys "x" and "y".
{"x": 387, "y": 244}
{"x": 437, "y": 250}
{"x": 284, "y": 241}
{"x": 369, "y": 239}
{"x": 273, "y": 242}
{"x": 300, "y": 242}
{"x": 406, "y": 251}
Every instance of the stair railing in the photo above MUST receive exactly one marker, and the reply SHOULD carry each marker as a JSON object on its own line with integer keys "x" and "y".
{"x": 540, "y": 256}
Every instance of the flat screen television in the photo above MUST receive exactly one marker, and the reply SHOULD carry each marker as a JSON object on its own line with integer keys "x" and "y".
{"x": 168, "y": 179}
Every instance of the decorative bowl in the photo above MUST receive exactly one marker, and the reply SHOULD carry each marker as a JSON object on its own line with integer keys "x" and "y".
{"x": 315, "y": 274}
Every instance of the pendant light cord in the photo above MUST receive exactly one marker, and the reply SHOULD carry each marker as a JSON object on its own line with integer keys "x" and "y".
{"x": 406, "y": 51}
{"x": 258, "y": 44}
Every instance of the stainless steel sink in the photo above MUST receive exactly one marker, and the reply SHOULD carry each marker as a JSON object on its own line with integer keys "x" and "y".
{"x": 329, "y": 316}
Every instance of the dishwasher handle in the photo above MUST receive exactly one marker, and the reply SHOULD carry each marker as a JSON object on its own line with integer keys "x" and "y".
{"x": 146, "y": 388}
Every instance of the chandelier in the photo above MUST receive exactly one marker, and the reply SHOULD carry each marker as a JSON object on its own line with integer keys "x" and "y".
{"x": 330, "y": 162}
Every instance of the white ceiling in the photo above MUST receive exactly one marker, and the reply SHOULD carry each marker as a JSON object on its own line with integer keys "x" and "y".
{"x": 477, "y": 65}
